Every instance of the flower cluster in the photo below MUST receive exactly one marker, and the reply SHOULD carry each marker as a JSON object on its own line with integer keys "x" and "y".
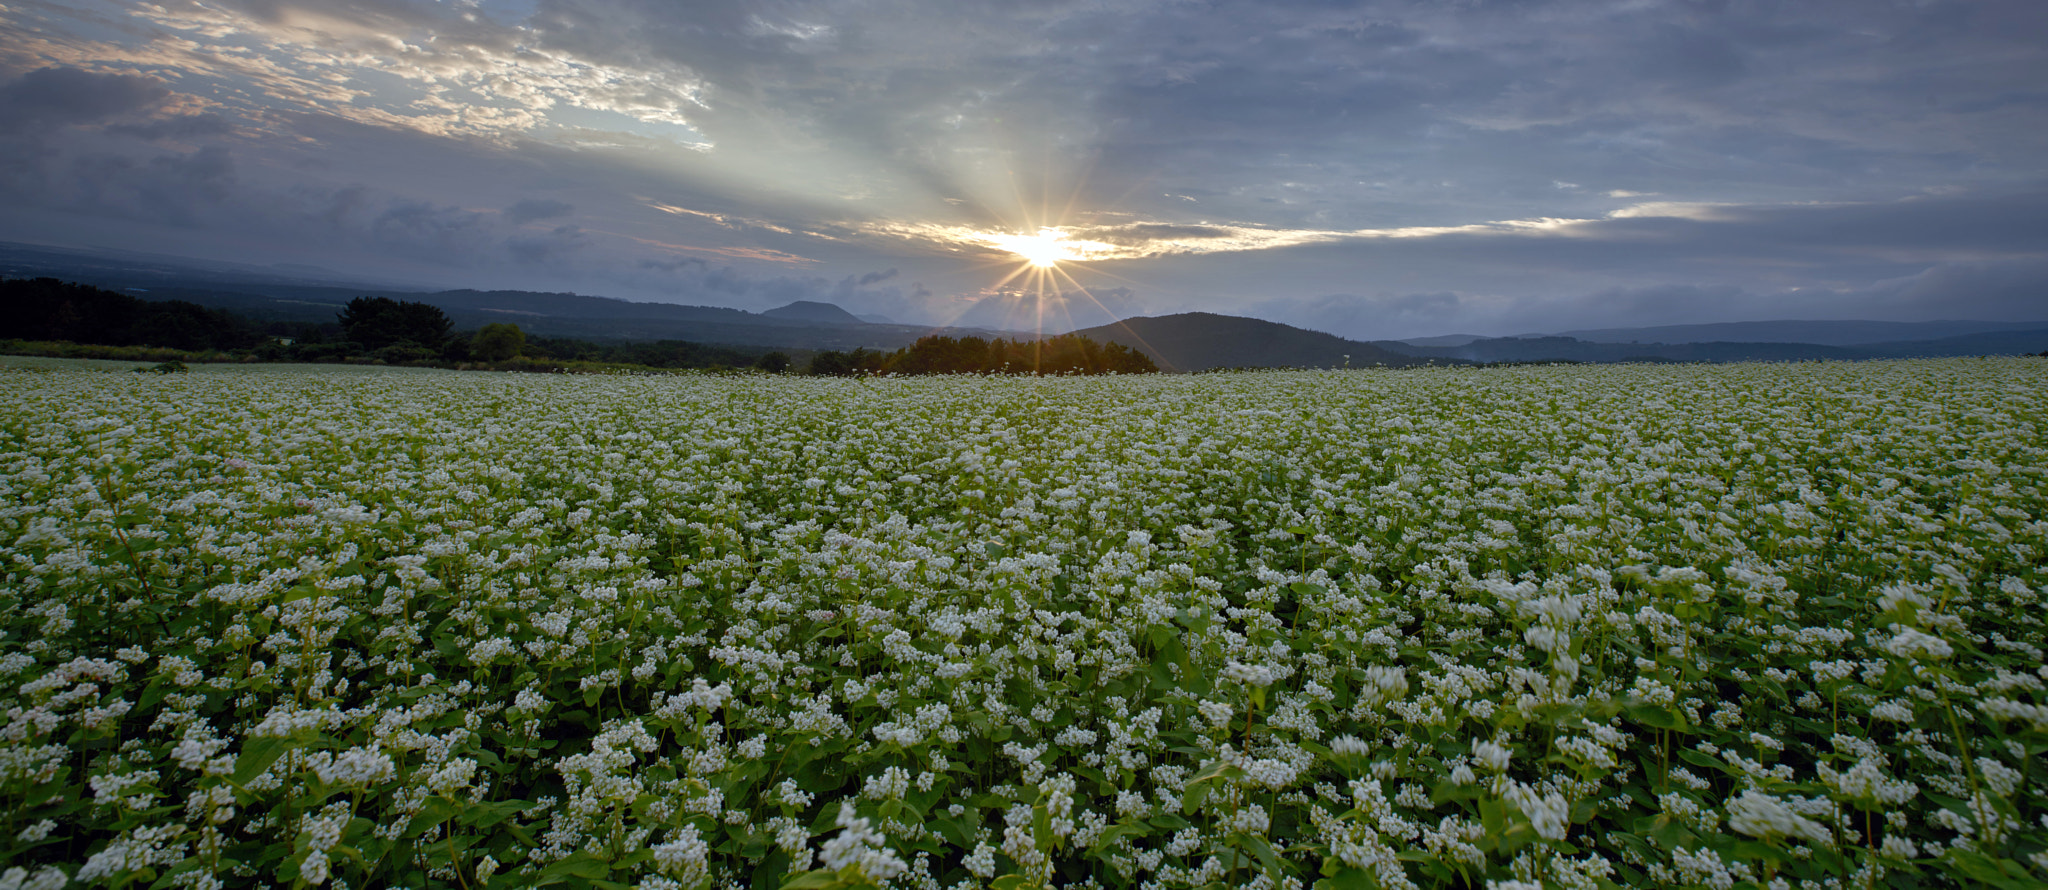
{"x": 1533, "y": 627}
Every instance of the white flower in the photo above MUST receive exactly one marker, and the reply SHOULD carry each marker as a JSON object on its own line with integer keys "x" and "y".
{"x": 1910, "y": 643}
{"x": 1493, "y": 756}
{"x": 685, "y": 856}
{"x": 313, "y": 868}
{"x": 48, "y": 877}
{"x": 1549, "y": 814}
{"x": 452, "y": 777}
{"x": 858, "y": 844}
{"x": 1254, "y": 675}
{"x": 1762, "y": 816}
{"x": 1866, "y": 781}
{"x": 357, "y": 767}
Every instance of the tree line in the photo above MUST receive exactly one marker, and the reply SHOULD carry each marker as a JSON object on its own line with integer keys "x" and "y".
{"x": 46, "y": 309}
{"x": 50, "y": 316}
{"x": 936, "y": 354}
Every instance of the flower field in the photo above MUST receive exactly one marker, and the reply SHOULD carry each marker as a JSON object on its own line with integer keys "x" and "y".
{"x": 1564, "y": 627}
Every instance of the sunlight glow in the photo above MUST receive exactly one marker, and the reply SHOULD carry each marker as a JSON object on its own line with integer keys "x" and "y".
{"x": 1043, "y": 250}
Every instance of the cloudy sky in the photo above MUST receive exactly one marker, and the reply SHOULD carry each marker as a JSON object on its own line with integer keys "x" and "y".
{"x": 1381, "y": 169}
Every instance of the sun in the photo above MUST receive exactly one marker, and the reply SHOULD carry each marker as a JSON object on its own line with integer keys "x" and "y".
{"x": 1042, "y": 250}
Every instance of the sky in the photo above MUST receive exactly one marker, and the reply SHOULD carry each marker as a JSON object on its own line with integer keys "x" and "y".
{"x": 1374, "y": 170}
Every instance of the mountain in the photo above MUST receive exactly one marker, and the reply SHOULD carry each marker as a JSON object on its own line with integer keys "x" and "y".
{"x": 2027, "y": 342}
{"x": 562, "y": 315}
{"x": 1571, "y": 349}
{"x": 813, "y": 312}
{"x": 1202, "y": 341}
{"x": 299, "y": 294}
{"x": 1540, "y": 349}
{"x": 291, "y": 293}
{"x": 1443, "y": 340}
{"x": 1824, "y": 333}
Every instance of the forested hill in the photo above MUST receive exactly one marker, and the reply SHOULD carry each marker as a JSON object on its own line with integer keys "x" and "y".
{"x": 1202, "y": 341}
{"x": 48, "y": 309}
{"x": 50, "y": 317}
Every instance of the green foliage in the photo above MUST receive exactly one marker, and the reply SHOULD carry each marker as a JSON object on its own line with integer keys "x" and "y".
{"x": 45, "y": 309}
{"x": 1568, "y": 626}
{"x": 497, "y": 342}
{"x": 106, "y": 325}
{"x": 1064, "y": 354}
{"x": 381, "y": 322}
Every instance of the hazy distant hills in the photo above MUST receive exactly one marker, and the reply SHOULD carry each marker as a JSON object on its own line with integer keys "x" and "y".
{"x": 1201, "y": 341}
{"x": 2032, "y": 339}
{"x": 1192, "y": 341}
{"x": 798, "y": 326}
{"x": 287, "y": 293}
{"x": 810, "y": 312}
{"x": 1569, "y": 349}
{"x": 1823, "y": 333}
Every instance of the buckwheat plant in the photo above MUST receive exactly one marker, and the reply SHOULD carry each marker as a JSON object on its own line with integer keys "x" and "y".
{"x": 1765, "y": 626}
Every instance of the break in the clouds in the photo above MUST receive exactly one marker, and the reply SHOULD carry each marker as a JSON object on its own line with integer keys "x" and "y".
{"x": 1373, "y": 169}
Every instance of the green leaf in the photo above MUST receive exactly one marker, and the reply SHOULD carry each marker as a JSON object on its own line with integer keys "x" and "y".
{"x": 257, "y": 756}
{"x": 1651, "y": 715}
{"x": 1669, "y": 833}
{"x": 814, "y": 880}
{"x": 1109, "y": 837}
{"x": 580, "y": 865}
{"x": 485, "y": 815}
{"x": 1265, "y": 854}
{"x": 436, "y": 811}
{"x": 1348, "y": 878}
{"x": 958, "y": 834}
{"x": 1700, "y": 759}
{"x": 1986, "y": 870}
{"x": 771, "y": 870}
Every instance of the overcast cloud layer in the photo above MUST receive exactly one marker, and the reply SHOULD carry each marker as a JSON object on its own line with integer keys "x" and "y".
{"x": 1374, "y": 170}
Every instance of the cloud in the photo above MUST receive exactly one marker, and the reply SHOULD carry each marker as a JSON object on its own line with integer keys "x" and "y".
{"x": 1371, "y": 318}
{"x": 176, "y": 127}
{"x": 451, "y": 72}
{"x": 1999, "y": 290}
{"x": 2012, "y": 290}
{"x": 48, "y": 97}
{"x": 552, "y": 247}
{"x": 1140, "y": 234}
{"x": 536, "y": 208}
{"x": 1046, "y": 313}
{"x": 178, "y": 189}
{"x": 1439, "y": 163}
{"x": 694, "y": 280}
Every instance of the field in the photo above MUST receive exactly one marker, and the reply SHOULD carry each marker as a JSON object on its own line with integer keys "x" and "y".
{"x": 1701, "y": 626}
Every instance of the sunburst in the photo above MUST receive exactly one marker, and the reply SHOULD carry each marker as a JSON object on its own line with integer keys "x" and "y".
{"x": 1044, "y": 250}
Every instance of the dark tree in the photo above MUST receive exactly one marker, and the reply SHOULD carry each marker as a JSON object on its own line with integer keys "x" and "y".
{"x": 1065, "y": 354}
{"x": 48, "y": 309}
{"x": 772, "y": 362}
{"x": 497, "y": 342}
{"x": 379, "y": 322}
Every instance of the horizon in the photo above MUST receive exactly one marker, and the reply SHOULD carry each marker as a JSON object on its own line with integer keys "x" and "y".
{"x": 1373, "y": 171}
{"x": 959, "y": 326}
